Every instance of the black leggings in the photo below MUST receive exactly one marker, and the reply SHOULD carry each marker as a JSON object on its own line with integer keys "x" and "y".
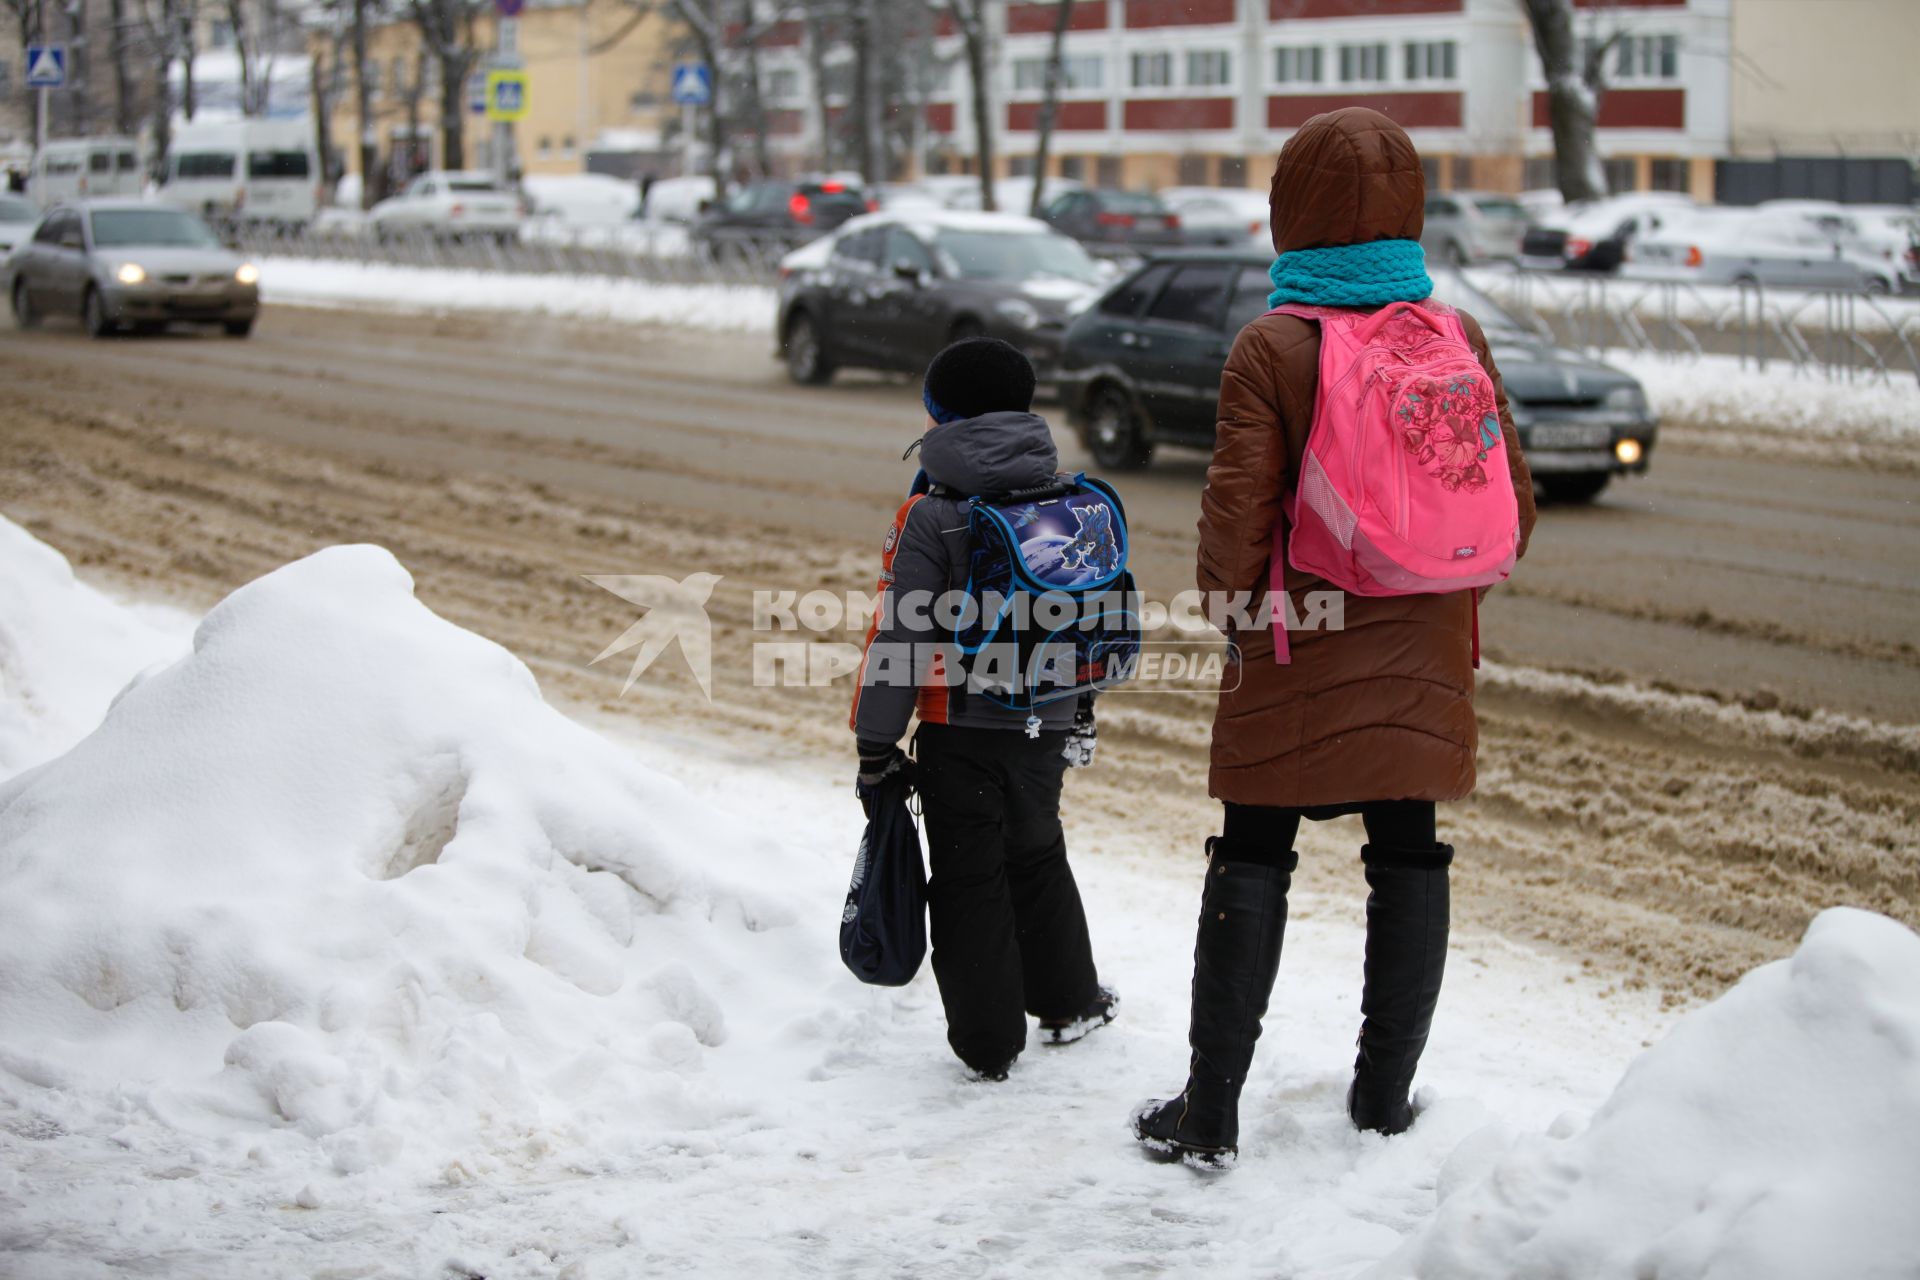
{"x": 1265, "y": 833}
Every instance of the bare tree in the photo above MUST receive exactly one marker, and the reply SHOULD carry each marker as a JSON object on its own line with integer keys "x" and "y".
{"x": 367, "y": 147}
{"x": 447, "y": 30}
{"x": 1049, "y": 102}
{"x": 120, "y": 47}
{"x": 970, "y": 16}
{"x": 820, "y": 15}
{"x": 706, "y": 22}
{"x": 868, "y": 52}
{"x": 1576, "y": 77}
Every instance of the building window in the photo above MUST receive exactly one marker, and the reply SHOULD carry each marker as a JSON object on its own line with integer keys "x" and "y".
{"x": 1431, "y": 60}
{"x": 1083, "y": 71}
{"x": 1537, "y": 174}
{"x": 220, "y": 34}
{"x": 783, "y": 84}
{"x": 1620, "y": 175}
{"x": 1209, "y": 68}
{"x": 1193, "y": 171}
{"x": 545, "y": 149}
{"x": 1297, "y": 65}
{"x": 1073, "y": 167}
{"x": 399, "y": 76}
{"x": 1019, "y": 166}
{"x": 567, "y": 147}
{"x": 1640, "y": 57}
{"x": 1152, "y": 70}
{"x": 1233, "y": 171}
{"x": 1363, "y": 62}
{"x": 1670, "y": 174}
{"x": 1108, "y": 172}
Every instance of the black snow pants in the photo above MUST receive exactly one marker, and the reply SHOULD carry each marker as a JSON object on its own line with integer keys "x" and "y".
{"x": 1009, "y": 933}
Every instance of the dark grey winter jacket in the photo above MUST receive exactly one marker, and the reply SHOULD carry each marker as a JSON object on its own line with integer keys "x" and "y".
{"x": 926, "y": 551}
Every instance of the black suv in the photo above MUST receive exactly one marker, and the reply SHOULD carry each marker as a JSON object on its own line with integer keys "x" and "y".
{"x": 891, "y": 290}
{"x": 772, "y": 217}
{"x": 1142, "y": 368}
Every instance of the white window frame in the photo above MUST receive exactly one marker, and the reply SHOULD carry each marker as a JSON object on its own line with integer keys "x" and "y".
{"x": 1430, "y": 61}
{"x": 1361, "y": 50}
{"x": 1164, "y": 57}
{"x": 1292, "y": 55}
{"x": 1214, "y": 59}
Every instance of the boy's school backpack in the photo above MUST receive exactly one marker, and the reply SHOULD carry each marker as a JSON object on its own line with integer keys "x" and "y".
{"x": 1404, "y": 487}
{"x": 1054, "y": 611}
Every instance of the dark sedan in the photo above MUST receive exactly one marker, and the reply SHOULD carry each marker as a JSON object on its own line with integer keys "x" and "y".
{"x": 1115, "y": 221}
{"x": 890, "y": 290}
{"x": 764, "y": 217}
{"x": 1142, "y": 368}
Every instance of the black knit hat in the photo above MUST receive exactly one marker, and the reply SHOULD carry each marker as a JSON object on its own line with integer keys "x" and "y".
{"x": 976, "y": 376}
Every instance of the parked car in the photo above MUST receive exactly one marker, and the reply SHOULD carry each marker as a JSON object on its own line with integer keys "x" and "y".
{"x": 1116, "y": 221}
{"x": 777, "y": 215}
{"x": 1771, "y": 247}
{"x": 120, "y": 263}
{"x": 75, "y": 168}
{"x": 1141, "y": 368}
{"x": 572, "y": 200}
{"x": 678, "y": 200}
{"x": 452, "y": 204}
{"x": 18, "y": 217}
{"x": 1230, "y": 217}
{"x": 888, "y": 291}
{"x": 1465, "y": 227}
{"x": 1594, "y": 236}
{"x": 1010, "y": 195}
{"x": 253, "y": 170}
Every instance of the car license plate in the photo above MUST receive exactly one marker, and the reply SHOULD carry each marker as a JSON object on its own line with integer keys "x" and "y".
{"x": 1545, "y": 461}
{"x": 1571, "y": 435}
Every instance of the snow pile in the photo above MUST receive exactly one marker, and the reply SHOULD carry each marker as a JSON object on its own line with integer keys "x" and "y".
{"x": 1715, "y": 392}
{"x": 340, "y": 887}
{"x": 1772, "y": 1134}
{"x": 330, "y": 282}
{"x": 65, "y": 651}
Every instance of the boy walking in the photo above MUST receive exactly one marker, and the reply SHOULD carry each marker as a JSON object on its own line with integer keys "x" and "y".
{"x": 1009, "y": 932}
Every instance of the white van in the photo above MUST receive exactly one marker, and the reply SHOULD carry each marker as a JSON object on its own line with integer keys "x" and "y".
{"x": 244, "y": 170}
{"x": 76, "y": 168}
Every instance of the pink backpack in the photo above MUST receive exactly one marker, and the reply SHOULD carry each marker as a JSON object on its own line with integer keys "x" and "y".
{"x": 1404, "y": 487}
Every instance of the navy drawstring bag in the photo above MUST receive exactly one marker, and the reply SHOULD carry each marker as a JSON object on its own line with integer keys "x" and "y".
{"x": 883, "y": 928}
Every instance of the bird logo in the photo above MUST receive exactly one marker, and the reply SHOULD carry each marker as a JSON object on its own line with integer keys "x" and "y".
{"x": 674, "y": 611}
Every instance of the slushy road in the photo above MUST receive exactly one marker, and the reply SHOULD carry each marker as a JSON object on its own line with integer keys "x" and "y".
{"x": 1697, "y": 730}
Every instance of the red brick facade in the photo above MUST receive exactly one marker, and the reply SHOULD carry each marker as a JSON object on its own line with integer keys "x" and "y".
{"x": 1628, "y": 109}
{"x": 1410, "y": 110}
{"x": 1177, "y": 115}
{"x": 1024, "y": 117}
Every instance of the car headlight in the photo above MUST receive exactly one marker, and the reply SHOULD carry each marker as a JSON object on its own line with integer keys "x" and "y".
{"x": 247, "y": 274}
{"x": 131, "y": 273}
{"x": 1022, "y": 314}
{"x": 1627, "y": 400}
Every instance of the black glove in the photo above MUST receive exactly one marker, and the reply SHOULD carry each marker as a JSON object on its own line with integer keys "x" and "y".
{"x": 1080, "y": 735}
{"x": 880, "y": 761}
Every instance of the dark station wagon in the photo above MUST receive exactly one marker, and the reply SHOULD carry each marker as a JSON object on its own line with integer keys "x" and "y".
{"x": 1141, "y": 368}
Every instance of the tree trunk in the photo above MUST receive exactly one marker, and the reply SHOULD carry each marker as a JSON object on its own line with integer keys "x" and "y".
{"x": 756, "y": 106}
{"x": 453, "y": 138}
{"x": 1049, "y": 103}
{"x": 817, "y": 70}
{"x": 321, "y": 105}
{"x": 124, "y": 122}
{"x": 866, "y": 93}
{"x": 188, "y": 97}
{"x": 1573, "y": 101}
{"x": 367, "y": 148}
{"x": 973, "y": 31}
{"x": 237, "y": 18}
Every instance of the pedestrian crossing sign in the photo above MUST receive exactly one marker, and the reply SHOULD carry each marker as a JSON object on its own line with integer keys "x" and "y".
{"x": 506, "y": 95}
{"x": 46, "y": 66}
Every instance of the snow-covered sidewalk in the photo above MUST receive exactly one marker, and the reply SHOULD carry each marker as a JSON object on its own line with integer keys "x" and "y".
{"x": 336, "y": 951}
{"x": 324, "y": 282}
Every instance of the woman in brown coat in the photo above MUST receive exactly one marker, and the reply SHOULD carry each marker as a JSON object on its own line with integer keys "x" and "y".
{"x": 1375, "y": 719}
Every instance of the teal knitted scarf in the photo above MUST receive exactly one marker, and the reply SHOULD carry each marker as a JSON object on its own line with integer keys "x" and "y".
{"x": 1352, "y": 275}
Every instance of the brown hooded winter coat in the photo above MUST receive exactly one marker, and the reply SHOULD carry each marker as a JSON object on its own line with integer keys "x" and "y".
{"x": 1382, "y": 710}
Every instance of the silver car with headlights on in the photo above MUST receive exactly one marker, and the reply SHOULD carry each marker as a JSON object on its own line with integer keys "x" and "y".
{"x": 130, "y": 264}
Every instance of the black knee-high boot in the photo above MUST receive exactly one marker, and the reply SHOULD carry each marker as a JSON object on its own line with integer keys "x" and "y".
{"x": 1236, "y": 956}
{"x": 1406, "y": 958}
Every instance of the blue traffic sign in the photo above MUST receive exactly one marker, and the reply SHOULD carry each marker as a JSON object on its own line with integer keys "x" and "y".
{"x": 46, "y": 66}
{"x": 509, "y": 8}
{"x": 692, "y": 84}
